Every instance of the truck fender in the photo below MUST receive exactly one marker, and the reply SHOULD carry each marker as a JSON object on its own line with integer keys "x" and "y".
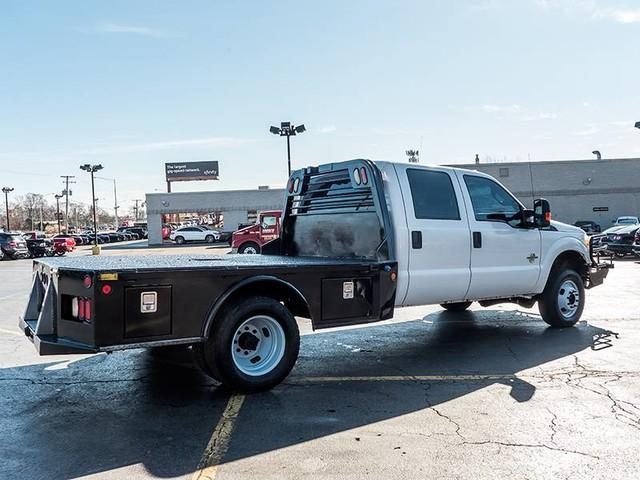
{"x": 268, "y": 281}
{"x": 558, "y": 248}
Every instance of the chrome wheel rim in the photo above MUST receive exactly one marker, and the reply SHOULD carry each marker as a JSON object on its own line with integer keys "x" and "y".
{"x": 250, "y": 250}
{"x": 568, "y": 298}
{"x": 258, "y": 345}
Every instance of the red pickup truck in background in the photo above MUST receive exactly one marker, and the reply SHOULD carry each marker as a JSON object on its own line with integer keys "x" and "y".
{"x": 251, "y": 239}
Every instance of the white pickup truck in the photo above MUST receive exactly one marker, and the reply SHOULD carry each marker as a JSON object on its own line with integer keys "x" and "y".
{"x": 358, "y": 239}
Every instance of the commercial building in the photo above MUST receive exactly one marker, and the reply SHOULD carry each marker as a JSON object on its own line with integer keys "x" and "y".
{"x": 597, "y": 190}
{"x": 236, "y": 206}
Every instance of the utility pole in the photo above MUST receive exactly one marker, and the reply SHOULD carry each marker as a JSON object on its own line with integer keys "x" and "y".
{"x": 136, "y": 208}
{"x": 6, "y": 191}
{"x": 58, "y": 197}
{"x": 115, "y": 198}
{"x": 66, "y": 193}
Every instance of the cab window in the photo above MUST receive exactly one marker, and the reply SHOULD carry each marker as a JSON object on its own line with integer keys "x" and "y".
{"x": 491, "y": 202}
{"x": 268, "y": 222}
{"x": 433, "y": 195}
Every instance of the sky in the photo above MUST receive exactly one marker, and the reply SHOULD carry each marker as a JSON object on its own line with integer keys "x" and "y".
{"x": 134, "y": 84}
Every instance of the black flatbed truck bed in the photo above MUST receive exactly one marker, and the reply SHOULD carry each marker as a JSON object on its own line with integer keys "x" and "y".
{"x": 332, "y": 264}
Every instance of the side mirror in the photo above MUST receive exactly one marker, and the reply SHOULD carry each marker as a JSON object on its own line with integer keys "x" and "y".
{"x": 528, "y": 218}
{"x": 541, "y": 213}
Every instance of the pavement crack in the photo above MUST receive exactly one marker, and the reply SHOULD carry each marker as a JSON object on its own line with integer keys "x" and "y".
{"x": 532, "y": 445}
{"x": 553, "y": 425}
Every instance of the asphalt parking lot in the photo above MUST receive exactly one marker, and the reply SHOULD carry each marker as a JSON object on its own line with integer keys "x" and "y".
{"x": 491, "y": 393}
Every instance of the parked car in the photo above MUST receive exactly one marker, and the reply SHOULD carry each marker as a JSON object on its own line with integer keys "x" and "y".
{"x": 588, "y": 226}
{"x": 13, "y": 245}
{"x": 636, "y": 244}
{"x": 63, "y": 244}
{"x": 194, "y": 234}
{"x": 252, "y": 238}
{"x": 627, "y": 220}
{"x": 138, "y": 233}
{"x": 622, "y": 241}
{"x": 38, "y": 244}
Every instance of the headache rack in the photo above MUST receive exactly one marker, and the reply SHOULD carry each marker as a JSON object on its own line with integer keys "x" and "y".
{"x": 336, "y": 210}
{"x": 331, "y": 192}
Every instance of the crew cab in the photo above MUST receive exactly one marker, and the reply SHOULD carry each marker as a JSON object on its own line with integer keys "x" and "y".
{"x": 251, "y": 238}
{"x": 358, "y": 239}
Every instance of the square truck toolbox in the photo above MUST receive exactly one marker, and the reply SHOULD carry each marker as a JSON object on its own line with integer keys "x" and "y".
{"x": 147, "y": 311}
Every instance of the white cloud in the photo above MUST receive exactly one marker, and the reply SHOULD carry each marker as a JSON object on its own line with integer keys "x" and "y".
{"x": 622, "y": 123}
{"x": 619, "y": 15}
{"x": 591, "y": 130}
{"x": 211, "y": 142}
{"x": 327, "y": 129}
{"x": 592, "y": 9}
{"x": 108, "y": 27}
{"x": 586, "y": 104}
{"x": 501, "y": 108}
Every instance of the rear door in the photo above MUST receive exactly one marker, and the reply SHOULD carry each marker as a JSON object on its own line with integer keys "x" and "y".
{"x": 439, "y": 239}
{"x": 505, "y": 258}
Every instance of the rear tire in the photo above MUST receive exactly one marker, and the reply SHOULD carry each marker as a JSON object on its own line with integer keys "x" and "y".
{"x": 264, "y": 329}
{"x": 562, "y": 301}
{"x": 456, "y": 307}
{"x": 249, "y": 248}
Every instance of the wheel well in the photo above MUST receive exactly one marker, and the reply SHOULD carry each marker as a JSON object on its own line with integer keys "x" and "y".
{"x": 571, "y": 259}
{"x": 274, "y": 288}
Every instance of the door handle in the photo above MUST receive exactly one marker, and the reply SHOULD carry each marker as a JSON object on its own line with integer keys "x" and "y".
{"x": 477, "y": 239}
{"x": 416, "y": 239}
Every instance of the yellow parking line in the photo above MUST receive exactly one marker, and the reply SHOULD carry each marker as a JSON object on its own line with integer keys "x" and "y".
{"x": 219, "y": 441}
{"x": 401, "y": 378}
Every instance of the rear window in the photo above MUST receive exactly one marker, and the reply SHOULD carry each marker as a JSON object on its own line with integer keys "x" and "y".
{"x": 433, "y": 195}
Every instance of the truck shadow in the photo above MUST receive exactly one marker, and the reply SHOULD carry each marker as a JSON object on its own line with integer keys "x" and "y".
{"x": 107, "y": 412}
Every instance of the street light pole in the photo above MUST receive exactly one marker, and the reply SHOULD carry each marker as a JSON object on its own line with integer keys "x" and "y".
{"x": 58, "y": 197}
{"x": 92, "y": 169}
{"x": 287, "y": 129}
{"x": 6, "y": 191}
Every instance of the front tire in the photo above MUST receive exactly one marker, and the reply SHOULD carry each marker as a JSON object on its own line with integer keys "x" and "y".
{"x": 249, "y": 248}
{"x": 252, "y": 346}
{"x": 562, "y": 301}
{"x": 209, "y": 239}
{"x": 456, "y": 307}
{"x": 179, "y": 240}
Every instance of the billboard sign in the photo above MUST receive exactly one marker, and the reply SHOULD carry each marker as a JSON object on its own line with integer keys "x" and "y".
{"x": 186, "y": 171}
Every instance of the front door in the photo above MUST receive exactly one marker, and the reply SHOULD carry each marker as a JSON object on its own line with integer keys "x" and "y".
{"x": 269, "y": 228}
{"x": 438, "y": 237}
{"x": 505, "y": 256}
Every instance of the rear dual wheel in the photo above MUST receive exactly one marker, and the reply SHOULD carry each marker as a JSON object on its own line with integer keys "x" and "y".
{"x": 252, "y": 346}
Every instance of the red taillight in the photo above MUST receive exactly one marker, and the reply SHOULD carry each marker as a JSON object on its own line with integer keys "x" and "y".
{"x": 13, "y": 244}
{"x": 87, "y": 281}
{"x": 87, "y": 310}
{"x": 106, "y": 289}
{"x": 547, "y": 217}
{"x": 363, "y": 176}
{"x": 290, "y": 188}
{"x": 81, "y": 304}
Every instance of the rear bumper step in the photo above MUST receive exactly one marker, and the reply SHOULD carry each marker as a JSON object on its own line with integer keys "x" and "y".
{"x": 52, "y": 344}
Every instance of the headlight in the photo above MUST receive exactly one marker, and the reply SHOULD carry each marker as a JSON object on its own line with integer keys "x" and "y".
{"x": 586, "y": 239}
